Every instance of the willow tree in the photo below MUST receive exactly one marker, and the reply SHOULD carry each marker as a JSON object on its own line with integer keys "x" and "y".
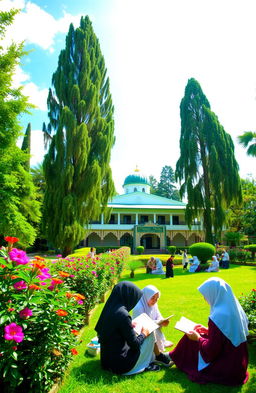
{"x": 207, "y": 168}
{"x": 248, "y": 139}
{"x": 77, "y": 171}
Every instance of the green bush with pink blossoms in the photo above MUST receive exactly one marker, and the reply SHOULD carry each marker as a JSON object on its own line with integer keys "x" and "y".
{"x": 39, "y": 322}
{"x": 92, "y": 277}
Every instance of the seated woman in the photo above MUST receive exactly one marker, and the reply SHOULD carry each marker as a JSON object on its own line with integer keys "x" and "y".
{"x": 214, "y": 266}
{"x": 151, "y": 265}
{"x": 194, "y": 265}
{"x": 148, "y": 305}
{"x": 121, "y": 350}
{"x": 159, "y": 267}
{"x": 217, "y": 354}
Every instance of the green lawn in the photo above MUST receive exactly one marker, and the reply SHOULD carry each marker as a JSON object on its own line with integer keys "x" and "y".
{"x": 179, "y": 296}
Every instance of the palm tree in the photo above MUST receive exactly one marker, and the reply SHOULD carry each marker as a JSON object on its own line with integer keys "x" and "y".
{"x": 248, "y": 138}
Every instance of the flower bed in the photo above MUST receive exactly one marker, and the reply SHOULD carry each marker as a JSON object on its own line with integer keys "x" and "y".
{"x": 41, "y": 311}
{"x": 92, "y": 277}
{"x": 248, "y": 303}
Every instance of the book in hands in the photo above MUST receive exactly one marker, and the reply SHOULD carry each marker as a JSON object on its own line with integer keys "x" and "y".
{"x": 144, "y": 321}
{"x": 165, "y": 319}
{"x": 185, "y": 325}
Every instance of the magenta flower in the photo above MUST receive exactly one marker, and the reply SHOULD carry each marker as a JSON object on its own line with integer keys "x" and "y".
{"x": 59, "y": 256}
{"x": 25, "y": 313}
{"x": 80, "y": 302}
{"x": 20, "y": 285}
{"x": 44, "y": 275}
{"x": 13, "y": 332}
{"x": 18, "y": 256}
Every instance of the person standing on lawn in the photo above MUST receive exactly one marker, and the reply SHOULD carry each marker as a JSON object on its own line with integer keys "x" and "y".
{"x": 169, "y": 267}
{"x": 217, "y": 354}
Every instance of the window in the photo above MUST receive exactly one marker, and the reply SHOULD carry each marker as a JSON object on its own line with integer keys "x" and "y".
{"x": 127, "y": 220}
{"x": 143, "y": 189}
{"x": 161, "y": 220}
{"x": 175, "y": 220}
{"x": 135, "y": 189}
{"x": 143, "y": 219}
{"x": 112, "y": 219}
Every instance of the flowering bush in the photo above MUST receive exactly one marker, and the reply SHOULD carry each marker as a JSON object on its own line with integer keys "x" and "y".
{"x": 248, "y": 302}
{"x": 91, "y": 277}
{"x": 238, "y": 255}
{"x": 38, "y": 320}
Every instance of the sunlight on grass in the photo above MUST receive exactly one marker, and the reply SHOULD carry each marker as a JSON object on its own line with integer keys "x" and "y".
{"x": 179, "y": 296}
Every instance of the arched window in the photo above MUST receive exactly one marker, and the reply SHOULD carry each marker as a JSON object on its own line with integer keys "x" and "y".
{"x": 135, "y": 189}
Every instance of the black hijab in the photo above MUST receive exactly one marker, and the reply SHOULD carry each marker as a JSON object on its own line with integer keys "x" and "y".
{"x": 122, "y": 299}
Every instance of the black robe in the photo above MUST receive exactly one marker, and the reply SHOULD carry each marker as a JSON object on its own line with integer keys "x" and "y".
{"x": 119, "y": 344}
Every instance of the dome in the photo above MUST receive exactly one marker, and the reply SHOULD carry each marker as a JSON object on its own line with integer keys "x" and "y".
{"x": 136, "y": 178}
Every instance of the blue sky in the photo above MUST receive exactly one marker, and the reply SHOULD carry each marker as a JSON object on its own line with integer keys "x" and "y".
{"x": 151, "y": 48}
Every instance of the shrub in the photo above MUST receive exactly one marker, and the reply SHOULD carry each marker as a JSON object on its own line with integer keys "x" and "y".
{"x": 92, "y": 277}
{"x": 248, "y": 302}
{"x": 233, "y": 238}
{"x": 140, "y": 249}
{"x": 203, "y": 251}
{"x": 237, "y": 254}
{"x": 132, "y": 265}
{"x": 252, "y": 249}
{"x": 38, "y": 323}
{"x": 171, "y": 249}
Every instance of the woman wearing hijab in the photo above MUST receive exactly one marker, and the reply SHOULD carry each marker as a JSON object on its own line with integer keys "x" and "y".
{"x": 194, "y": 265}
{"x": 159, "y": 267}
{"x": 217, "y": 354}
{"x": 214, "y": 266}
{"x": 148, "y": 305}
{"x": 121, "y": 350}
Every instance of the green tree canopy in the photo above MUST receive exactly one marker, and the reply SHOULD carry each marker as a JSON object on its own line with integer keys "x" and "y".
{"x": 26, "y": 145}
{"x": 242, "y": 218}
{"x": 248, "y": 139}
{"x": 207, "y": 168}
{"x": 77, "y": 171}
{"x": 166, "y": 187}
{"x": 18, "y": 206}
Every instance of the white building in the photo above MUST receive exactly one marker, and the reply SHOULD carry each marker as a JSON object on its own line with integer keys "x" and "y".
{"x": 141, "y": 218}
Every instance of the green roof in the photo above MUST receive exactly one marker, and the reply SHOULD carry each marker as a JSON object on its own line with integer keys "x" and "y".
{"x": 135, "y": 179}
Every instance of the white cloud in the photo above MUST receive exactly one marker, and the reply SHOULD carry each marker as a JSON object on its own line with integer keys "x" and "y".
{"x": 37, "y": 152}
{"x": 36, "y": 26}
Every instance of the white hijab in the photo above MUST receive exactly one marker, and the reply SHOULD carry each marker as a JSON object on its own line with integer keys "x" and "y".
{"x": 226, "y": 311}
{"x": 196, "y": 260}
{"x": 147, "y": 293}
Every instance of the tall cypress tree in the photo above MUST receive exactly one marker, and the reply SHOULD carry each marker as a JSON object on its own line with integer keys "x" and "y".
{"x": 207, "y": 166}
{"x": 26, "y": 144}
{"x": 77, "y": 171}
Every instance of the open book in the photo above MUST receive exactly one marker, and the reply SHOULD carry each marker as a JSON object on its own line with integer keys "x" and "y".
{"x": 185, "y": 325}
{"x": 143, "y": 320}
{"x": 165, "y": 319}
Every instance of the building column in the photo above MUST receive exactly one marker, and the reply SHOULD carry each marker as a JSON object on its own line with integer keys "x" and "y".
{"x": 136, "y": 219}
{"x": 102, "y": 218}
{"x": 171, "y": 219}
{"x": 118, "y": 218}
{"x": 154, "y": 218}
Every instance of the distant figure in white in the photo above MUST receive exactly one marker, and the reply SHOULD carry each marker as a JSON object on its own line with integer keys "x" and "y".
{"x": 159, "y": 267}
{"x": 214, "y": 266}
{"x": 194, "y": 265}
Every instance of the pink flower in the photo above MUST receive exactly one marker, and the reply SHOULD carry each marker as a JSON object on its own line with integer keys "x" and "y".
{"x": 59, "y": 256}
{"x": 20, "y": 285}
{"x": 25, "y": 313}
{"x": 80, "y": 302}
{"x": 18, "y": 256}
{"x": 44, "y": 274}
{"x": 13, "y": 332}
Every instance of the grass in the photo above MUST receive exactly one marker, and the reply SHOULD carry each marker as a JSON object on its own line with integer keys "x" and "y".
{"x": 179, "y": 296}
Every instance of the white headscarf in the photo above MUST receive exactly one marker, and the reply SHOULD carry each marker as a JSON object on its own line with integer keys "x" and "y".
{"x": 226, "y": 311}
{"x": 142, "y": 305}
{"x": 196, "y": 260}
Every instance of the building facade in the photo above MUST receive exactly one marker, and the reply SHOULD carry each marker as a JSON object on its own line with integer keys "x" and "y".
{"x": 141, "y": 218}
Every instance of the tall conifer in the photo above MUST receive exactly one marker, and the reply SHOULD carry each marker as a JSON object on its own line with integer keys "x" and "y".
{"x": 77, "y": 171}
{"x": 26, "y": 144}
{"x": 207, "y": 166}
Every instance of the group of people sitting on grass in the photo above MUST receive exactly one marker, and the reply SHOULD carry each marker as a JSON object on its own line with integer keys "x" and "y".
{"x": 217, "y": 353}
